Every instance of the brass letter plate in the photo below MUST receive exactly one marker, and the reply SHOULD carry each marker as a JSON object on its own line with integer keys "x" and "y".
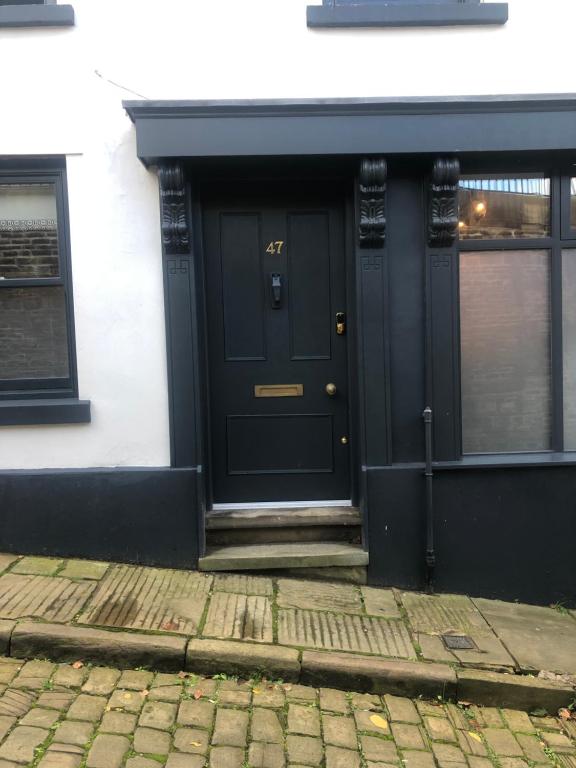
{"x": 278, "y": 390}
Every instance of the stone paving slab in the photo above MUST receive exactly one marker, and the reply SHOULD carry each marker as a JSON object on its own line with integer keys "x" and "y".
{"x": 341, "y": 632}
{"x": 239, "y": 617}
{"x": 149, "y": 598}
{"x": 337, "y": 598}
{"x": 431, "y": 616}
{"x": 538, "y": 638}
{"x": 52, "y": 599}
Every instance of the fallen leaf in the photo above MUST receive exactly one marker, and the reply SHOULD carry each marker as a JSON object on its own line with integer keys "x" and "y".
{"x": 196, "y": 743}
{"x": 256, "y": 691}
{"x": 145, "y": 693}
{"x": 78, "y": 665}
{"x": 565, "y": 714}
{"x": 170, "y": 625}
{"x": 475, "y": 736}
{"x": 197, "y": 694}
{"x": 127, "y": 696}
{"x": 379, "y": 722}
{"x": 183, "y": 675}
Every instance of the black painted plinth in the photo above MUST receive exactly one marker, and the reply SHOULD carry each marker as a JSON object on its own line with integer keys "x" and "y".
{"x": 146, "y": 516}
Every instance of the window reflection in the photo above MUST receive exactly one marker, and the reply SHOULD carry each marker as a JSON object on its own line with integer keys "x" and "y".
{"x": 498, "y": 207}
{"x": 33, "y": 333}
{"x": 28, "y": 231}
{"x": 505, "y": 331}
{"x": 573, "y": 203}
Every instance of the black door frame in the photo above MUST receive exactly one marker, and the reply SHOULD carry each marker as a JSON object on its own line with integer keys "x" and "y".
{"x": 311, "y": 173}
{"x": 364, "y": 187}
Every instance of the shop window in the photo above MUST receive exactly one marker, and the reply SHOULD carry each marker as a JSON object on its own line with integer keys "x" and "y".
{"x": 516, "y": 208}
{"x": 505, "y": 336}
{"x": 517, "y": 313}
{"x": 37, "y": 355}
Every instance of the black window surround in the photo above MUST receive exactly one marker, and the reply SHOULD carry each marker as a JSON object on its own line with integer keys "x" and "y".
{"x": 35, "y": 13}
{"x": 405, "y": 13}
{"x": 45, "y": 401}
{"x": 443, "y": 298}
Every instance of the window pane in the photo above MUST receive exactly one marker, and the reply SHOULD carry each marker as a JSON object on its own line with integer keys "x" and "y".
{"x": 28, "y": 231}
{"x": 33, "y": 333}
{"x": 569, "y": 346}
{"x": 573, "y": 202}
{"x": 505, "y": 351}
{"x": 493, "y": 207}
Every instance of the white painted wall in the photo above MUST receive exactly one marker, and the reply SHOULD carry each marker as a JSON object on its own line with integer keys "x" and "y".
{"x": 59, "y": 97}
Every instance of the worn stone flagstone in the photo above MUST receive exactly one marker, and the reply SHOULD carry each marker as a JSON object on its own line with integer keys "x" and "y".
{"x": 431, "y": 616}
{"x": 37, "y": 566}
{"x": 84, "y": 569}
{"x": 149, "y": 598}
{"x": 42, "y": 597}
{"x": 539, "y": 638}
{"x": 243, "y": 584}
{"x": 319, "y": 596}
{"x": 239, "y": 617}
{"x": 380, "y": 602}
{"x": 319, "y": 629}
{"x": 438, "y": 614}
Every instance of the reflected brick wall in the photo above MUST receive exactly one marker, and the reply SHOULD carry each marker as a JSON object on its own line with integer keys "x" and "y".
{"x": 33, "y": 333}
{"x": 29, "y": 253}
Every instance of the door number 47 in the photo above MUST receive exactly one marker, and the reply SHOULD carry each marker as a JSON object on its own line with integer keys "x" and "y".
{"x": 275, "y": 247}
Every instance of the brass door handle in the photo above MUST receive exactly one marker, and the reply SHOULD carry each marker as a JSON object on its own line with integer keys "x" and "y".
{"x": 330, "y": 389}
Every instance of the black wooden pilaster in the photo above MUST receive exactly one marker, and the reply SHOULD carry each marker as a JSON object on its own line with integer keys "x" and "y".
{"x": 443, "y": 371}
{"x": 372, "y": 310}
{"x": 179, "y": 297}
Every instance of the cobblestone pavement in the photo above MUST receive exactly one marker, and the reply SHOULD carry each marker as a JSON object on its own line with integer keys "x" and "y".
{"x": 296, "y": 613}
{"x": 76, "y": 716}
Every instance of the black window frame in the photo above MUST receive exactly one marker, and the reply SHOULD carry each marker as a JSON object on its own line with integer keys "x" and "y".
{"x": 445, "y": 309}
{"x": 55, "y": 400}
{"x": 405, "y": 13}
{"x": 35, "y": 13}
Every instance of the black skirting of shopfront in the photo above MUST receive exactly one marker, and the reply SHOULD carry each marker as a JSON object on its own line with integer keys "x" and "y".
{"x": 497, "y": 524}
{"x": 145, "y": 516}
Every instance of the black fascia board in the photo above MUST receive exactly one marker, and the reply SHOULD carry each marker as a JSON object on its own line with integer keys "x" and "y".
{"x": 406, "y": 15}
{"x": 36, "y": 16}
{"x": 34, "y": 412}
{"x": 353, "y": 127}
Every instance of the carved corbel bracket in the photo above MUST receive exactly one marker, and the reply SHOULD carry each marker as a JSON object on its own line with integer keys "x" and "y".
{"x": 443, "y": 207}
{"x": 174, "y": 218}
{"x": 372, "y": 183}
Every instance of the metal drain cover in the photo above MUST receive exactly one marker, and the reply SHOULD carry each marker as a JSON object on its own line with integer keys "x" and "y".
{"x": 458, "y": 642}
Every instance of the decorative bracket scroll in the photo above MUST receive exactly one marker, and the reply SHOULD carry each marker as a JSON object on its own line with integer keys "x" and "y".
{"x": 175, "y": 230}
{"x": 443, "y": 208}
{"x": 372, "y": 182}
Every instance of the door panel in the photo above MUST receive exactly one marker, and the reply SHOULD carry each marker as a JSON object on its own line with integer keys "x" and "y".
{"x": 275, "y": 279}
{"x": 306, "y": 444}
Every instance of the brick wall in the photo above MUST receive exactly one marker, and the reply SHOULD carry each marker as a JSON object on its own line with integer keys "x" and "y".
{"x": 28, "y": 253}
{"x": 33, "y": 333}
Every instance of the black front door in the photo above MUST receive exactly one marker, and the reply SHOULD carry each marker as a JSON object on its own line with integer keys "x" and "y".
{"x": 277, "y": 346}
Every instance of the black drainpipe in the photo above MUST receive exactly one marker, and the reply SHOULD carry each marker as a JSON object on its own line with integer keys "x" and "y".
{"x": 429, "y": 474}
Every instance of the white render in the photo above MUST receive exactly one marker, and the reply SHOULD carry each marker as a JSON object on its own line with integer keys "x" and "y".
{"x": 61, "y": 94}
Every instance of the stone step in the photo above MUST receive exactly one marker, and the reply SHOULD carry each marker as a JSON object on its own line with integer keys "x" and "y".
{"x": 283, "y": 555}
{"x": 282, "y": 517}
